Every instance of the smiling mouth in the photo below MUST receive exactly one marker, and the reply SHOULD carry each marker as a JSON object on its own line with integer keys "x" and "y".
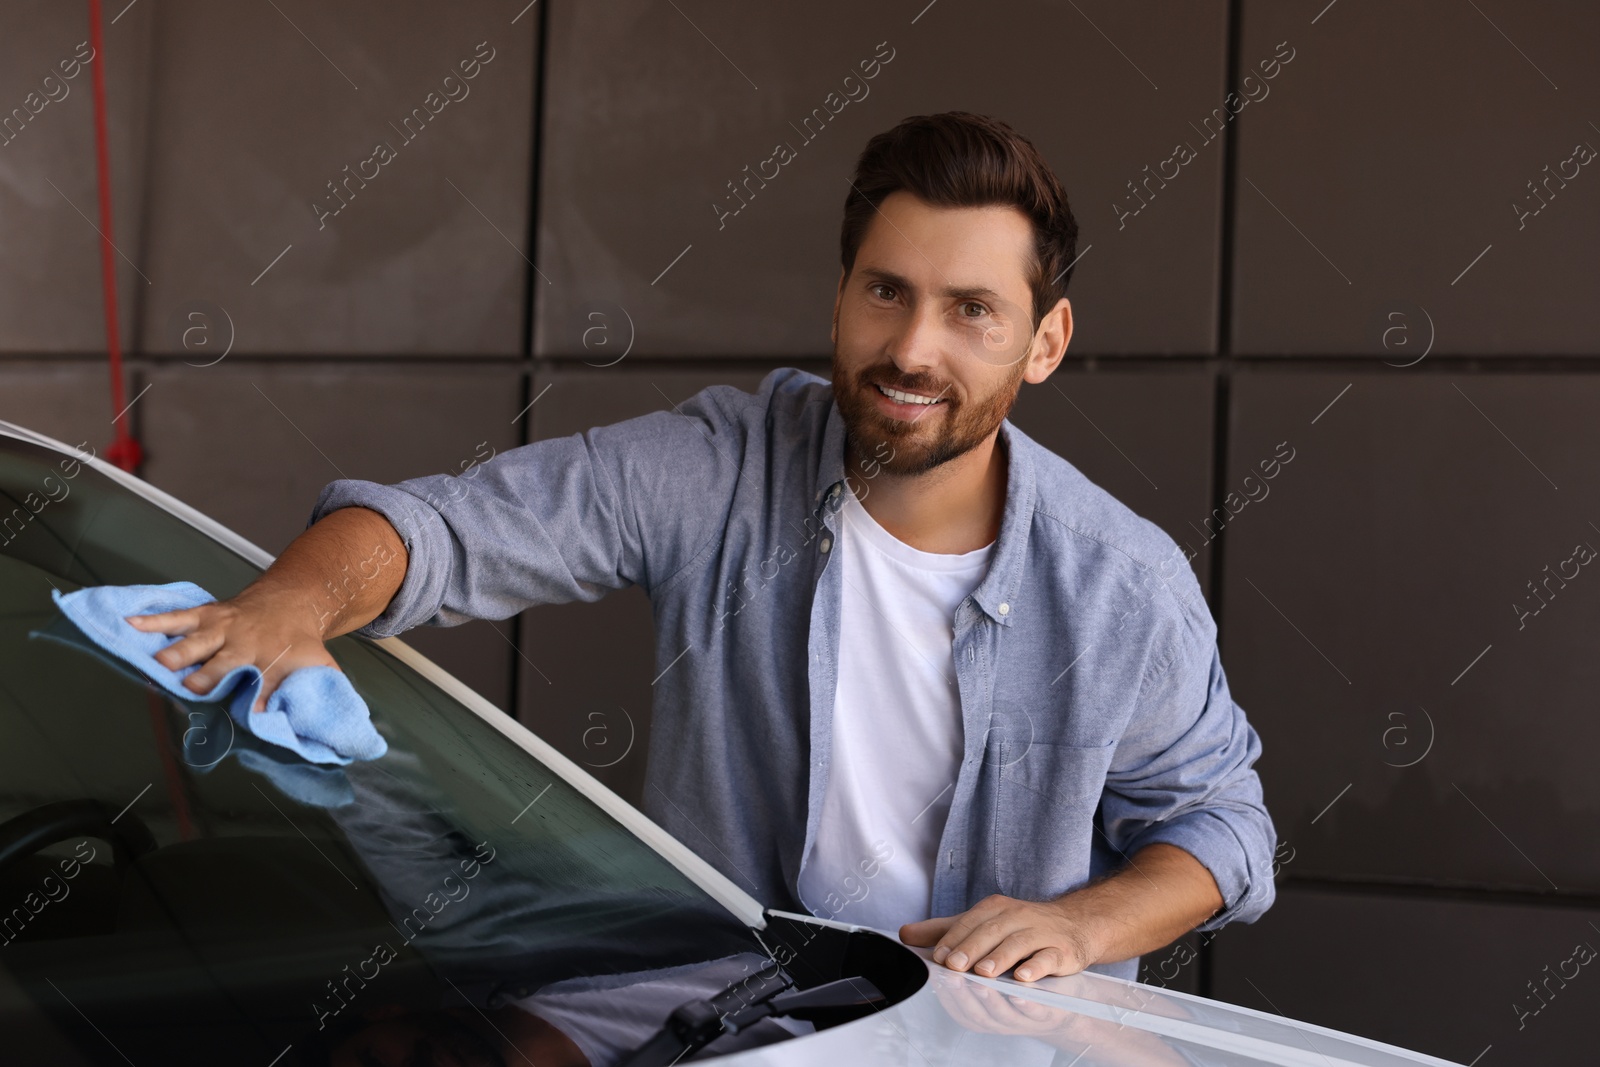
{"x": 900, "y": 396}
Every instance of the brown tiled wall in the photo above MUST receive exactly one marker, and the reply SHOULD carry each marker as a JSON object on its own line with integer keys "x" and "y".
{"x": 1372, "y": 269}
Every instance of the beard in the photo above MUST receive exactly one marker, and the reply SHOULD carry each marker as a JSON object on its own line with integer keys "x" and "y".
{"x": 939, "y": 434}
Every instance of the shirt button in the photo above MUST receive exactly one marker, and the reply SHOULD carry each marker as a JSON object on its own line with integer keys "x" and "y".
{"x": 1004, "y": 609}
{"x": 833, "y": 494}
{"x": 827, "y": 543}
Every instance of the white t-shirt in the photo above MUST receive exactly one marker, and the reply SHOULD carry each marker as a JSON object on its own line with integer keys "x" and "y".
{"x": 897, "y": 734}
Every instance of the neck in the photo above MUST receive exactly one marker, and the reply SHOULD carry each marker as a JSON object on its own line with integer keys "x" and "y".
{"x": 954, "y": 508}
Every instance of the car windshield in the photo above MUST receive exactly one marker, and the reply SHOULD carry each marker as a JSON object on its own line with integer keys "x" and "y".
{"x": 174, "y": 890}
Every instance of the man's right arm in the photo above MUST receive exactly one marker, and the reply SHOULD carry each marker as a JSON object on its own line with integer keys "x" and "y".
{"x": 336, "y": 577}
{"x": 562, "y": 519}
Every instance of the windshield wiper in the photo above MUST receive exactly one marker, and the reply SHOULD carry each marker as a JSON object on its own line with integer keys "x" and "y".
{"x": 766, "y": 994}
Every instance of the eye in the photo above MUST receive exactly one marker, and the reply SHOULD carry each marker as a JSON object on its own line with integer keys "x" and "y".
{"x": 875, "y": 286}
{"x": 982, "y": 310}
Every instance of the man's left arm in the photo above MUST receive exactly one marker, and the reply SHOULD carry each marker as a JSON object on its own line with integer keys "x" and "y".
{"x": 1161, "y": 894}
{"x": 1181, "y": 801}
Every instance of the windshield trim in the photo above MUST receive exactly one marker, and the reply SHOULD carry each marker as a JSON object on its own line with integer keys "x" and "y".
{"x": 713, "y": 882}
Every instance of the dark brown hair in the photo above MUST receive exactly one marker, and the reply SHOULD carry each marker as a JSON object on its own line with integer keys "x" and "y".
{"x": 958, "y": 159}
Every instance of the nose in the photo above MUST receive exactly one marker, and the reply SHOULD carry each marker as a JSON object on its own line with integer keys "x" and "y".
{"x": 917, "y": 346}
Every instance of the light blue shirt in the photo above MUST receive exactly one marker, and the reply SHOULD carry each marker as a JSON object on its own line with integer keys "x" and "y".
{"x": 1096, "y": 715}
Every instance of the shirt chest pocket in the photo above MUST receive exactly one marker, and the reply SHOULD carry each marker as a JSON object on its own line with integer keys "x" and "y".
{"x": 1043, "y": 811}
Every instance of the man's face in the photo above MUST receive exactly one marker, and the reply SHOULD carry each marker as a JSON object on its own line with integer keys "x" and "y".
{"x": 936, "y": 305}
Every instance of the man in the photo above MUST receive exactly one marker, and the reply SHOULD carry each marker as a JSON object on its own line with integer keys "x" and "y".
{"x": 916, "y": 671}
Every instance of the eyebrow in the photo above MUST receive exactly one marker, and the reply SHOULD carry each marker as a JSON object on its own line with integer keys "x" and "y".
{"x": 969, "y": 292}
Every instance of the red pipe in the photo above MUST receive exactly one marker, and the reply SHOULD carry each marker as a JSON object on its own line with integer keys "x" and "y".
{"x": 124, "y": 449}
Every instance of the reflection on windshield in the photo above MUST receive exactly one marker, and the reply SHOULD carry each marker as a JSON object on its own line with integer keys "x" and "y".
{"x": 454, "y": 901}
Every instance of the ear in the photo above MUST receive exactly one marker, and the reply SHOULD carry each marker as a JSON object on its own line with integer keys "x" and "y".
{"x": 1050, "y": 342}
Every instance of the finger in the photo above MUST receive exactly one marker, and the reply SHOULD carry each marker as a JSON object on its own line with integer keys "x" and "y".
{"x": 265, "y": 693}
{"x": 1016, "y": 945}
{"x": 276, "y": 672}
{"x": 926, "y": 931}
{"x": 197, "y": 647}
{"x": 978, "y": 944}
{"x": 166, "y": 622}
{"x": 203, "y": 679}
{"x": 201, "y": 682}
{"x": 189, "y": 650}
{"x": 273, "y": 674}
{"x": 969, "y": 920}
{"x": 1048, "y": 961}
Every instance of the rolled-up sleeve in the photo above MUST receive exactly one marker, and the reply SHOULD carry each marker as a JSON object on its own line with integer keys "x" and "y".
{"x": 1183, "y": 772}
{"x": 559, "y": 520}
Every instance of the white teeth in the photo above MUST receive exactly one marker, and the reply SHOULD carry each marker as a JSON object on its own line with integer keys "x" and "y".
{"x": 906, "y": 398}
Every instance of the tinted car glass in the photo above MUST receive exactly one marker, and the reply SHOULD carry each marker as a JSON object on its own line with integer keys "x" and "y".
{"x": 173, "y": 890}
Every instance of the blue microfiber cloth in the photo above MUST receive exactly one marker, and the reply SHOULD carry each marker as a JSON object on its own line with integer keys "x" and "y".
{"x": 211, "y": 737}
{"x": 320, "y": 787}
{"x": 315, "y": 712}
